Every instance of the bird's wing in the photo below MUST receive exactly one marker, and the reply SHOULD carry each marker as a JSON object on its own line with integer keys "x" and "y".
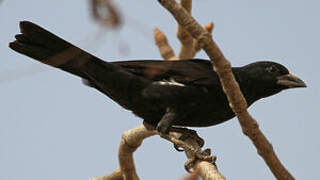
{"x": 194, "y": 72}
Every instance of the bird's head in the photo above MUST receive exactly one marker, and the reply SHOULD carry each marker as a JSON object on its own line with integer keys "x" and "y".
{"x": 270, "y": 78}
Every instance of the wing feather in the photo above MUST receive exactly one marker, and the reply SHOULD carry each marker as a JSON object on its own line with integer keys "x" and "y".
{"x": 194, "y": 72}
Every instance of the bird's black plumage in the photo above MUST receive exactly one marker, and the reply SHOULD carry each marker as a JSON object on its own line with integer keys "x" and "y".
{"x": 185, "y": 93}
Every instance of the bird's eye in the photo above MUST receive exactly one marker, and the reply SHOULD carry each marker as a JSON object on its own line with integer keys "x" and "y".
{"x": 271, "y": 69}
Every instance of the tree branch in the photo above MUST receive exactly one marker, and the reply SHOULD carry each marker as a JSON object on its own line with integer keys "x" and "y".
{"x": 209, "y": 27}
{"x": 187, "y": 49}
{"x": 130, "y": 141}
{"x": 230, "y": 86}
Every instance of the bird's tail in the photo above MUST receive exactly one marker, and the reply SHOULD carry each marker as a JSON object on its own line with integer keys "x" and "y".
{"x": 109, "y": 78}
{"x": 41, "y": 45}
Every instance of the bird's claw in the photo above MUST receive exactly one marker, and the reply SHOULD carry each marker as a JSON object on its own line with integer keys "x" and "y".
{"x": 187, "y": 134}
{"x": 204, "y": 155}
{"x": 195, "y": 154}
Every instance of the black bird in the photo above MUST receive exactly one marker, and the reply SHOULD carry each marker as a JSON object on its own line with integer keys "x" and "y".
{"x": 163, "y": 93}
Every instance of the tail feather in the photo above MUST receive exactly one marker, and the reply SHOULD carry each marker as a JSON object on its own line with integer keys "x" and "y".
{"x": 39, "y": 36}
{"x": 40, "y": 44}
{"x": 34, "y": 51}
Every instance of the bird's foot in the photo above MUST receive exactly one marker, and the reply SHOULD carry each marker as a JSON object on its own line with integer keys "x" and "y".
{"x": 187, "y": 134}
{"x": 197, "y": 156}
{"x": 193, "y": 151}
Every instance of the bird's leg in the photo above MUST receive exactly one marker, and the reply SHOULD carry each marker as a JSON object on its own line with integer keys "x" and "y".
{"x": 148, "y": 126}
{"x": 164, "y": 125}
{"x": 186, "y": 134}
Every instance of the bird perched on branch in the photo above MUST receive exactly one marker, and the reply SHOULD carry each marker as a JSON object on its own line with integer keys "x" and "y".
{"x": 163, "y": 93}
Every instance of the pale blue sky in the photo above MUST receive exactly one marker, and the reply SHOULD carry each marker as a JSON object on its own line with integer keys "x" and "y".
{"x": 52, "y": 127}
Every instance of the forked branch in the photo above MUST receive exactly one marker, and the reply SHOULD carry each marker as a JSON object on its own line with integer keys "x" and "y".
{"x": 133, "y": 138}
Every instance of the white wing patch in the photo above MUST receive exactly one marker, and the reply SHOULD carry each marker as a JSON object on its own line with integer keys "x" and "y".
{"x": 170, "y": 82}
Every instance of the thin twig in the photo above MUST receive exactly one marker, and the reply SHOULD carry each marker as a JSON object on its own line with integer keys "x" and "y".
{"x": 230, "y": 86}
{"x": 165, "y": 49}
